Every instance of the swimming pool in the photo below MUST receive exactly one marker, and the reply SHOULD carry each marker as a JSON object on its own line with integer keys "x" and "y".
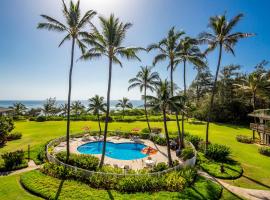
{"x": 121, "y": 151}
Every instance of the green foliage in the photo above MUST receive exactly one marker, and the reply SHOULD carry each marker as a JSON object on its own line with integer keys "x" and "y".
{"x": 194, "y": 139}
{"x": 6, "y": 126}
{"x": 88, "y": 162}
{"x": 14, "y": 136}
{"x": 41, "y": 119}
{"x": 218, "y": 152}
{"x": 174, "y": 182}
{"x": 264, "y": 151}
{"x": 160, "y": 167}
{"x": 189, "y": 174}
{"x": 145, "y": 135}
{"x": 145, "y": 130}
{"x": 13, "y": 159}
{"x": 159, "y": 140}
{"x": 187, "y": 153}
{"x": 244, "y": 139}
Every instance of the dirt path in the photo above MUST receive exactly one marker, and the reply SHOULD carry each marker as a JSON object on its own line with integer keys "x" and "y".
{"x": 31, "y": 166}
{"x": 246, "y": 193}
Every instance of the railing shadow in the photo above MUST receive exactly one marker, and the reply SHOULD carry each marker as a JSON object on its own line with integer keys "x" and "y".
{"x": 258, "y": 182}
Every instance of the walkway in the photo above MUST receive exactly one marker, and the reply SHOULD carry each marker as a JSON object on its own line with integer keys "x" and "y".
{"x": 31, "y": 166}
{"x": 246, "y": 193}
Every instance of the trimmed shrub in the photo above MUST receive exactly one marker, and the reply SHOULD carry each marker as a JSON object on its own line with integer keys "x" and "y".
{"x": 174, "y": 182}
{"x": 264, "y": 151}
{"x": 141, "y": 183}
{"x": 88, "y": 162}
{"x": 145, "y": 130}
{"x": 14, "y": 136}
{"x": 160, "y": 167}
{"x": 145, "y": 135}
{"x": 57, "y": 171}
{"x": 218, "y": 152}
{"x": 41, "y": 119}
{"x": 13, "y": 159}
{"x": 194, "y": 139}
{"x": 187, "y": 153}
{"x": 159, "y": 140}
{"x": 244, "y": 139}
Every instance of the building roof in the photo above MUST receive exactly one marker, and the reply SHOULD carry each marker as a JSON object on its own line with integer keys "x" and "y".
{"x": 4, "y": 110}
{"x": 262, "y": 114}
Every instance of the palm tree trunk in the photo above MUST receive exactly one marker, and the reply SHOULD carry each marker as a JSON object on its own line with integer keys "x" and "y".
{"x": 107, "y": 113}
{"x": 183, "y": 115}
{"x": 145, "y": 110}
{"x": 99, "y": 124}
{"x": 69, "y": 96}
{"x": 212, "y": 98}
{"x": 176, "y": 112}
{"x": 167, "y": 138}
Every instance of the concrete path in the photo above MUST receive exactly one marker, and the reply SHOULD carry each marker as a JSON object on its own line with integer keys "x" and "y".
{"x": 246, "y": 193}
{"x": 31, "y": 166}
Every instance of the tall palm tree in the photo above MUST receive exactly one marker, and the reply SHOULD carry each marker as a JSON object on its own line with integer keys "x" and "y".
{"x": 97, "y": 105}
{"x": 74, "y": 30}
{"x": 145, "y": 79}
{"x": 163, "y": 101}
{"x": 109, "y": 43}
{"x": 223, "y": 38}
{"x": 124, "y": 103}
{"x": 77, "y": 108}
{"x": 188, "y": 51}
{"x": 168, "y": 49}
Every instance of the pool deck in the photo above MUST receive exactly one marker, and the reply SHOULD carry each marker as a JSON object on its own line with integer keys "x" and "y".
{"x": 160, "y": 156}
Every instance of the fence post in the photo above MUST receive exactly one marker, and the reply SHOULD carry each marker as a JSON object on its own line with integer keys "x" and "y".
{"x": 28, "y": 152}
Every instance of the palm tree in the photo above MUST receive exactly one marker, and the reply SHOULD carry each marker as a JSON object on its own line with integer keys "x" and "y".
{"x": 74, "y": 30}
{"x": 221, "y": 38}
{"x": 64, "y": 109}
{"x": 77, "y": 108}
{"x": 109, "y": 43}
{"x": 145, "y": 79}
{"x": 168, "y": 49}
{"x": 97, "y": 105}
{"x": 163, "y": 101}
{"x": 188, "y": 51}
{"x": 19, "y": 109}
{"x": 124, "y": 103}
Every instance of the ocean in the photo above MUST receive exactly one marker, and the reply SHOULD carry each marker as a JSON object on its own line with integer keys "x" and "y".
{"x": 39, "y": 103}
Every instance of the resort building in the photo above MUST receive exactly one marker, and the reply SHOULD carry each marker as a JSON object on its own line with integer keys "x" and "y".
{"x": 5, "y": 111}
{"x": 261, "y": 125}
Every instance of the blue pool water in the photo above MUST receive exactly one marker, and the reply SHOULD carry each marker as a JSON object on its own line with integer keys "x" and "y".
{"x": 121, "y": 151}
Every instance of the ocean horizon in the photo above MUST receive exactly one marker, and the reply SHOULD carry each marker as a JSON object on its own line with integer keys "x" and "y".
{"x": 39, "y": 103}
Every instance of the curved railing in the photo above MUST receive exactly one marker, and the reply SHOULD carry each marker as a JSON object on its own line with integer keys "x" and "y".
{"x": 84, "y": 172}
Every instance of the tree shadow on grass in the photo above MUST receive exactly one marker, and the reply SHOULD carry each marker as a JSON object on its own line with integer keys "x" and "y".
{"x": 59, "y": 189}
{"x": 110, "y": 194}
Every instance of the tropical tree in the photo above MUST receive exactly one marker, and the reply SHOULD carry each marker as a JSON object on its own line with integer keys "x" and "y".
{"x": 19, "y": 109}
{"x": 74, "y": 30}
{"x": 188, "y": 51}
{"x": 145, "y": 79}
{"x": 163, "y": 101}
{"x": 64, "y": 109}
{"x": 168, "y": 49}
{"x": 124, "y": 103}
{"x": 97, "y": 105}
{"x": 223, "y": 38}
{"x": 109, "y": 43}
{"x": 77, "y": 108}
{"x": 49, "y": 106}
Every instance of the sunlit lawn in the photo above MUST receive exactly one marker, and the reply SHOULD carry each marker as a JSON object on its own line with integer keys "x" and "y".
{"x": 256, "y": 166}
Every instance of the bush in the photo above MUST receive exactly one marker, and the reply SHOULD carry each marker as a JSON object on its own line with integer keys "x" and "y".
{"x": 189, "y": 174}
{"x": 14, "y": 136}
{"x": 160, "y": 167}
{"x": 142, "y": 183}
{"x": 145, "y": 130}
{"x": 218, "y": 152}
{"x": 264, "y": 151}
{"x": 187, "y": 153}
{"x": 57, "y": 171}
{"x": 174, "y": 182}
{"x": 159, "y": 140}
{"x": 6, "y": 126}
{"x": 244, "y": 139}
{"x": 194, "y": 139}
{"x": 145, "y": 135}
{"x": 41, "y": 119}
{"x": 13, "y": 159}
{"x": 88, "y": 162}
{"x": 156, "y": 130}
{"x": 103, "y": 118}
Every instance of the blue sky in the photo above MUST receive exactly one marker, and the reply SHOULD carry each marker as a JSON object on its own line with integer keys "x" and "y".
{"x": 32, "y": 67}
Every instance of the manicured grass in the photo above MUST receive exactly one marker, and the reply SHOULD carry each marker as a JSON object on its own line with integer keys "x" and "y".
{"x": 255, "y": 165}
{"x": 10, "y": 189}
{"x": 49, "y": 187}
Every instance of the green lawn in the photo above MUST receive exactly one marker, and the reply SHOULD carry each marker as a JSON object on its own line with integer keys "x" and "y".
{"x": 255, "y": 165}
